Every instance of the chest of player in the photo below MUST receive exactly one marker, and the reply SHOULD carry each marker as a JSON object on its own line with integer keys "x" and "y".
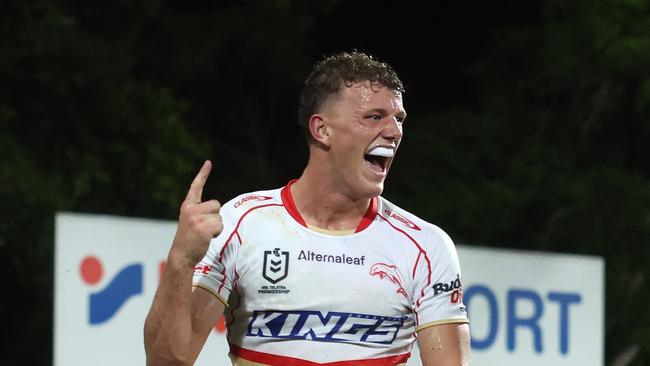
{"x": 287, "y": 267}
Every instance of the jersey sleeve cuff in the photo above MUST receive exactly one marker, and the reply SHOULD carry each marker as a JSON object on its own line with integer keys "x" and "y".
{"x": 206, "y": 288}
{"x": 439, "y": 322}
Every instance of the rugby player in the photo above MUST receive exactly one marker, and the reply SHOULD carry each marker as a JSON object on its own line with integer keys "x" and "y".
{"x": 322, "y": 271}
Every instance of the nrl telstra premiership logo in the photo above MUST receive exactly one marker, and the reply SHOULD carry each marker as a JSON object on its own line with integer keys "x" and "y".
{"x": 276, "y": 265}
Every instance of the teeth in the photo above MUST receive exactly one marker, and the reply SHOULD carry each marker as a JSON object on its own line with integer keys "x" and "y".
{"x": 382, "y": 151}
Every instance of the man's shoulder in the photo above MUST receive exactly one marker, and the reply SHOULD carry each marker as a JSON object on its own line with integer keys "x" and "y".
{"x": 247, "y": 201}
{"x": 410, "y": 224}
{"x": 401, "y": 218}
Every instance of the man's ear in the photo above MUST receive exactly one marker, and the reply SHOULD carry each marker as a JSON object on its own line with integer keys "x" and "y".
{"x": 319, "y": 129}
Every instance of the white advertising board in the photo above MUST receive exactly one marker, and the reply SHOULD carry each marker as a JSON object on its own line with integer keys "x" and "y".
{"x": 525, "y": 308}
{"x": 107, "y": 270}
{"x": 534, "y": 308}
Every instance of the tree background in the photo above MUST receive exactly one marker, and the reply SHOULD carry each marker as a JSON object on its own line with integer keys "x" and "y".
{"x": 529, "y": 126}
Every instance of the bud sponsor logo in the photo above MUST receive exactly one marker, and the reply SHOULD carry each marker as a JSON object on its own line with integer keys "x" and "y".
{"x": 447, "y": 286}
{"x": 454, "y": 286}
{"x": 402, "y": 219}
{"x": 328, "y": 327}
{"x": 251, "y": 197}
{"x": 104, "y": 303}
{"x": 389, "y": 272}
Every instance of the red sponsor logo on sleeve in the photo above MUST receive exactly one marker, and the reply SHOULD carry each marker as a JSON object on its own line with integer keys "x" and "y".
{"x": 202, "y": 269}
{"x": 402, "y": 219}
{"x": 251, "y": 197}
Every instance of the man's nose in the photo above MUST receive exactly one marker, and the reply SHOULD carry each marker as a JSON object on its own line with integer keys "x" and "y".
{"x": 393, "y": 130}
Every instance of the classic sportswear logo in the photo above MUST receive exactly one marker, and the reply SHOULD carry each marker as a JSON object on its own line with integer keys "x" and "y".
{"x": 402, "y": 219}
{"x": 328, "y": 327}
{"x": 276, "y": 265}
{"x": 106, "y": 302}
{"x": 389, "y": 272}
{"x": 251, "y": 197}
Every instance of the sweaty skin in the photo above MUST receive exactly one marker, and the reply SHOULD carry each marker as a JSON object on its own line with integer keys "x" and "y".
{"x": 445, "y": 345}
{"x": 180, "y": 317}
{"x": 333, "y": 193}
{"x": 397, "y": 105}
{"x": 335, "y": 189}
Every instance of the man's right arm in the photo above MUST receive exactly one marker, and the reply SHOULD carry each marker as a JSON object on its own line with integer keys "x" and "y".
{"x": 181, "y": 317}
{"x": 178, "y": 325}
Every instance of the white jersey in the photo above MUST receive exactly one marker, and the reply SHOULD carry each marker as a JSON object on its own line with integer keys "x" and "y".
{"x": 299, "y": 296}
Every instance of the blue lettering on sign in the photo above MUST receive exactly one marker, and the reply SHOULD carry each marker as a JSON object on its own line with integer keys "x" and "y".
{"x": 564, "y": 300}
{"x": 532, "y": 322}
{"x": 494, "y": 314}
{"x": 515, "y": 298}
{"x": 329, "y": 327}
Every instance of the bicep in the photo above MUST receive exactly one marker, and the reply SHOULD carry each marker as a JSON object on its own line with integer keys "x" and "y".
{"x": 445, "y": 345}
{"x": 206, "y": 310}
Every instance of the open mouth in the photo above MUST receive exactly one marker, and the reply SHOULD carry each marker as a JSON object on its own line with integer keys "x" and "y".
{"x": 377, "y": 158}
{"x": 378, "y": 163}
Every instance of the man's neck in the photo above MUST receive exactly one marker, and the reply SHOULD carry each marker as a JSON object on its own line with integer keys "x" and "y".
{"x": 323, "y": 204}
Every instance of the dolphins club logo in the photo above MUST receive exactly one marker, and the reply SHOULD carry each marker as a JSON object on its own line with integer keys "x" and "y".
{"x": 389, "y": 272}
{"x": 104, "y": 303}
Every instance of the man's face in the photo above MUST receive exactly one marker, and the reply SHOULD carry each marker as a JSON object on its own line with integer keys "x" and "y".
{"x": 365, "y": 123}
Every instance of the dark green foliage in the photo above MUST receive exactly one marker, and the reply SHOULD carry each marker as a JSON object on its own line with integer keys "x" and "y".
{"x": 111, "y": 108}
{"x": 555, "y": 155}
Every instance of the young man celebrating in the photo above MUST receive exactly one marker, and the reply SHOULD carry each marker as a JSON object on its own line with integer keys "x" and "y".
{"x": 323, "y": 271}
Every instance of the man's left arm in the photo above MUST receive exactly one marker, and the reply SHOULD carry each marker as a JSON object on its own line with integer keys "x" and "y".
{"x": 444, "y": 345}
{"x": 441, "y": 317}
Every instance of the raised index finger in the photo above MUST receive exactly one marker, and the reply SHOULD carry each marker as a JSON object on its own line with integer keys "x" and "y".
{"x": 196, "y": 189}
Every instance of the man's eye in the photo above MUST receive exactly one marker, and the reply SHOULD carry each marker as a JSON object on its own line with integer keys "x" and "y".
{"x": 375, "y": 117}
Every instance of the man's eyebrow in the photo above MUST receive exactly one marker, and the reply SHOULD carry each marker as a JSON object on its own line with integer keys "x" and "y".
{"x": 384, "y": 112}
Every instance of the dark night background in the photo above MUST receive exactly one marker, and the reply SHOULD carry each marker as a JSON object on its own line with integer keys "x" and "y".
{"x": 528, "y": 127}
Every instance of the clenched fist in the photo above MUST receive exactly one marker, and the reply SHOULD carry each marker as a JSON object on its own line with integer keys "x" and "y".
{"x": 198, "y": 223}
